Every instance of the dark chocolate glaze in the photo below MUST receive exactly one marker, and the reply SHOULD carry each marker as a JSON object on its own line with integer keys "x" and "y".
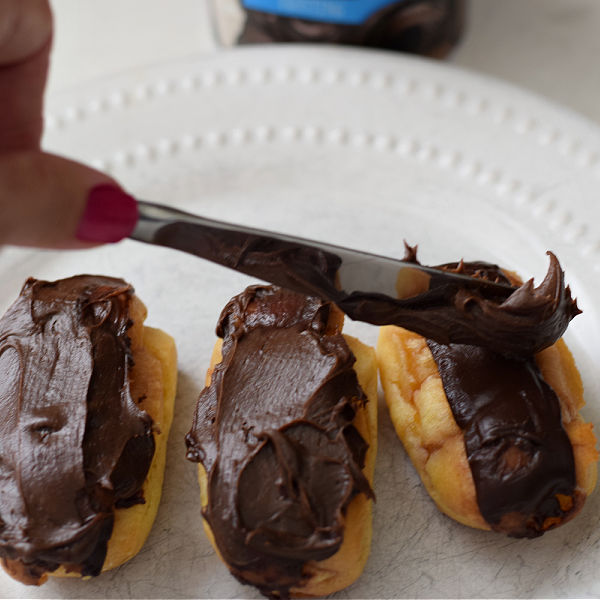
{"x": 274, "y": 433}
{"x": 526, "y": 321}
{"x": 519, "y": 454}
{"x": 429, "y": 27}
{"x": 73, "y": 442}
{"x": 517, "y": 322}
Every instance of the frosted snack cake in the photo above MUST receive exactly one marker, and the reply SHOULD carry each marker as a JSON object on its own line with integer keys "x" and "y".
{"x": 285, "y": 434}
{"x": 86, "y": 393}
{"x": 497, "y": 441}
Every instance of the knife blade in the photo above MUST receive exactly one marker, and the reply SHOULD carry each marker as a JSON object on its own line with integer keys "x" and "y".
{"x": 367, "y": 287}
{"x": 435, "y": 302}
{"x": 306, "y": 266}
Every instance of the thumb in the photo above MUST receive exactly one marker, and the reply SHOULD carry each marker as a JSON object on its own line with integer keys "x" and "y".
{"x": 51, "y": 202}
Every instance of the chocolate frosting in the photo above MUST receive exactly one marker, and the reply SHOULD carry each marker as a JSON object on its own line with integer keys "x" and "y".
{"x": 73, "y": 442}
{"x": 520, "y": 324}
{"x": 274, "y": 433}
{"x": 512, "y": 321}
{"x": 430, "y": 27}
{"x": 519, "y": 454}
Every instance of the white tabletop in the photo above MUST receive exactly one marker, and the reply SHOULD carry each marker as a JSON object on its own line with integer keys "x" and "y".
{"x": 550, "y": 47}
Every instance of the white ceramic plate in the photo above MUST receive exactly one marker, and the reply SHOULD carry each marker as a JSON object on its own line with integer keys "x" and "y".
{"x": 357, "y": 148}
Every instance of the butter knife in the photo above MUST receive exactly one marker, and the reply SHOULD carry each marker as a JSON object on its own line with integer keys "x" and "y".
{"x": 376, "y": 289}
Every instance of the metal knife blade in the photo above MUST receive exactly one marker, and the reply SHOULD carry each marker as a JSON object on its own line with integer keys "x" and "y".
{"x": 313, "y": 268}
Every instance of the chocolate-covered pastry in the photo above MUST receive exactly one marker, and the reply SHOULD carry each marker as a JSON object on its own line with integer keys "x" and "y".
{"x": 286, "y": 440}
{"x": 498, "y": 442}
{"x": 84, "y": 389}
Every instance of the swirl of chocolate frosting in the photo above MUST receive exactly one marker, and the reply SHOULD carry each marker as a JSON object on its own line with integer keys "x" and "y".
{"x": 518, "y": 325}
{"x": 73, "y": 443}
{"x": 274, "y": 433}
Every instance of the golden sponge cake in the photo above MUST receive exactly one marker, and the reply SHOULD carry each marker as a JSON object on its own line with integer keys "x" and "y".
{"x": 346, "y": 560}
{"x": 424, "y": 421}
{"x": 98, "y": 388}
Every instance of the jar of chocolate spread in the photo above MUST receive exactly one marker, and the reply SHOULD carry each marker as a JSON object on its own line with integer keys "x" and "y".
{"x": 428, "y": 27}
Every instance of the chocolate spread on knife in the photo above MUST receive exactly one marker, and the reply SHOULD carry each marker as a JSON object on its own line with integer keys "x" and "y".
{"x": 274, "y": 433}
{"x": 519, "y": 454}
{"x": 524, "y": 322}
{"x": 73, "y": 443}
{"x": 518, "y": 323}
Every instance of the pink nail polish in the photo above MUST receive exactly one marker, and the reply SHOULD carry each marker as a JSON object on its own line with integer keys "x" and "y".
{"x": 110, "y": 215}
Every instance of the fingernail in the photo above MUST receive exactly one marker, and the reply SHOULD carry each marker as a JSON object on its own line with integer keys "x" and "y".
{"x": 110, "y": 215}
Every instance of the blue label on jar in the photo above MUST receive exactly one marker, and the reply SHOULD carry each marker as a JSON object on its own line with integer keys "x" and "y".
{"x": 344, "y": 12}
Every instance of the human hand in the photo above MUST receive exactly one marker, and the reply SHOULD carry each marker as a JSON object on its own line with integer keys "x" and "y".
{"x": 45, "y": 200}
